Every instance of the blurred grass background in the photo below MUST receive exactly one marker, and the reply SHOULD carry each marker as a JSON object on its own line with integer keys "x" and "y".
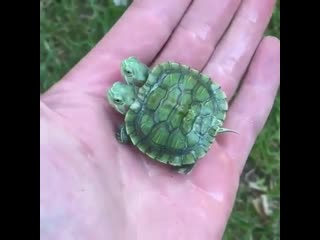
{"x": 70, "y": 28}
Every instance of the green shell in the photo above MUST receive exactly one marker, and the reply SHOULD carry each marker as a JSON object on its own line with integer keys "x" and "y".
{"x": 179, "y": 114}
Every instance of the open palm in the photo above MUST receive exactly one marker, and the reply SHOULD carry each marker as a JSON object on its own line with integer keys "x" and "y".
{"x": 92, "y": 187}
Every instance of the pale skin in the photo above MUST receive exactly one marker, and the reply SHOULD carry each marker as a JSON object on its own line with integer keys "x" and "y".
{"x": 92, "y": 187}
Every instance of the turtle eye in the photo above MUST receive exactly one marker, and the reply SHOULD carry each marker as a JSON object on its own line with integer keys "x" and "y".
{"x": 117, "y": 100}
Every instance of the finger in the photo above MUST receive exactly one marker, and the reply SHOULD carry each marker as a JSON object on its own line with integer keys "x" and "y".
{"x": 199, "y": 31}
{"x": 252, "y": 105}
{"x": 140, "y": 32}
{"x": 233, "y": 54}
{"x": 218, "y": 173}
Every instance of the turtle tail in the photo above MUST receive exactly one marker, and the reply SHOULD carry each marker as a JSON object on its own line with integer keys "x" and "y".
{"x": 221, "y": 109}
{"x": 224, "y": 130}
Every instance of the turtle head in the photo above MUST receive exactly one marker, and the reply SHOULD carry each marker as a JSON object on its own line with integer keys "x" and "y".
{"x": 121, "y": 96}
{"x": 134, "y": 71}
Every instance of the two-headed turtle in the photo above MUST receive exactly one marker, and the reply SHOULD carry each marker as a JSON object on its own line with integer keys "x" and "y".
{"x": 172, "y": 112}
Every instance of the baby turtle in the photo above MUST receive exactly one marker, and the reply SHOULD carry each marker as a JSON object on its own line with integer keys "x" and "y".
{"x": 172, "y": 112}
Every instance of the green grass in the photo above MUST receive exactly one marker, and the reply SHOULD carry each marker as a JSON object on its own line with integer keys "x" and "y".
{"x": 64, "y": 40}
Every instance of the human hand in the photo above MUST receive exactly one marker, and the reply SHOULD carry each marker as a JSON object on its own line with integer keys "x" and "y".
{"x": 92, "y": 187}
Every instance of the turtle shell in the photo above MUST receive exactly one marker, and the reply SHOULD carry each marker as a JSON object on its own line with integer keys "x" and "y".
{"x": 176, "y": 115}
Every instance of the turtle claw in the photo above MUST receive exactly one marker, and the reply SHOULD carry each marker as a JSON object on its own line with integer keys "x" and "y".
{"x": 186, "y": 169}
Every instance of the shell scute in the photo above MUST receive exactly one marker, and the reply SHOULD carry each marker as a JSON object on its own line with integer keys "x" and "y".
{"x": 160, "y": 135}
{"x": 193, "y": 138}
{"x": 189, "y": 159}
{"x": 175, "y": 160}
{"x": 188, "y": 82}
{"x": 175, "y": 120}
{"x": 205, "y": 124}
{"x": 201, "y": 94}
{"x": 177, "y": 140}
{"x": 170, "y": 80}
{"x": 146, "y": 124}
{"x": 164, "y": 158}
{"x": 155, "y": 97}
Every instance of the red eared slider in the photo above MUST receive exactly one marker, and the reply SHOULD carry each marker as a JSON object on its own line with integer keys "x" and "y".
{"x": 172, "y": 112}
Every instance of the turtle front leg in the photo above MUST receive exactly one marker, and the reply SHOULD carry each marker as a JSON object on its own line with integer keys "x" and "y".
{"x": 122, "y": 135}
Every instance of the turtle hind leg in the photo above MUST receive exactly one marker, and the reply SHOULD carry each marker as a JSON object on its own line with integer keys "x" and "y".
{"x": 122, "y": 135}
{"x": 184, "y": 169}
